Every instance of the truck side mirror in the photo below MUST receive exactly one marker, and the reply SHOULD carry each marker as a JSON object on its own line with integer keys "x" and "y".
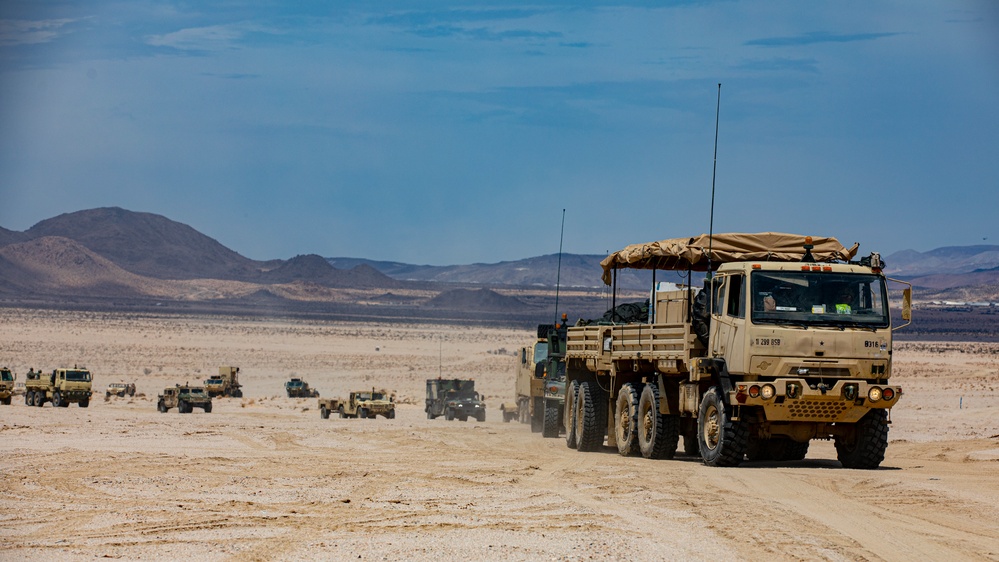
{"x": 907, "y": 305}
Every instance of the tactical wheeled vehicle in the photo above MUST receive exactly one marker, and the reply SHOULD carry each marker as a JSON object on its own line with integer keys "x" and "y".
{"x": 361, "y": 404}
{"x": 62, "y": 387}
{"x": 454, "y": 399}
{"x": 297, "y": 388}
{"x": 225, "y": 384}
{"x": 789, "y": 340}
{"x": 120, "y": 389}
{"x": 7, "y": 378}
{"x": 185, "y": 398}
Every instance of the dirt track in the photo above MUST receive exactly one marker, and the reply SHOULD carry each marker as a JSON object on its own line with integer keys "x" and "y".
{"x": 265, "y": 478}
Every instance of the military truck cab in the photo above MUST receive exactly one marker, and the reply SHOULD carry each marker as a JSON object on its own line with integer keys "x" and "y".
{"x": 7, "y": 378}
{"x": 62, "y": 387}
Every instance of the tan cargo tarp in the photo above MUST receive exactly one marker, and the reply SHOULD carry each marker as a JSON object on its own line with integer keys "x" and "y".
{"x": 681, "y": 254}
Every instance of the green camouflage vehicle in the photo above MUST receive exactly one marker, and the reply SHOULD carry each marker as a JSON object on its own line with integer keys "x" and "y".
{"x": 185, "y": 398}
{"x": 6, "y": 385}
{"x": 454, "y": 398}
{"x": 62, "y": 387}
{"x": 297, "y": 388}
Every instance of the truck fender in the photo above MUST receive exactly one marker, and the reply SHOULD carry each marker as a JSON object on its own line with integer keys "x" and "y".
{"x": 720, "y": 378}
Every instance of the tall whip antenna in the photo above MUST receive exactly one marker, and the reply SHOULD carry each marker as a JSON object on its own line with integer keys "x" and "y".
{"x": 714, "y": 170}
{"x": 558, "y": 275}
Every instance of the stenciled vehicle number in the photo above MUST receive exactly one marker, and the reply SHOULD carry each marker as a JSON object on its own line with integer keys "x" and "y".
{"x": 766, "y": 341}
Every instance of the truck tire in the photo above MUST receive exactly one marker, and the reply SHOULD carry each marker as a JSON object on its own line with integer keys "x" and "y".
{"x": 57, "y": 399}
{"x": 363, "y": 413}
{"x": 29, "y": 398}
{"x": 538, "y": 415}
{"x": 722, "y": 441}
{"x": 551, "y": 419}
{"x": 340, "y": 411}
{"x": 658, "y": 433}
{"x": 85, "y": 403}
{"x": 208, "y": 408}
{"x": 161, "y": 407}
{"x": 591, "y": 417}
{"x": 866, "y": 448}
{"x": 626, "y": 419}
{"x": 390, "y": 415}
{"x": 238, "y": 393}
{"x": 569, "y": 414}
{"x": 480, "y": 417}
{"x": 324, "y": 413}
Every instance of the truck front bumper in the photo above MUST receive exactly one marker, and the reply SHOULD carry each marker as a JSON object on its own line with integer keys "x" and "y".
{"x": 793, "y": 399}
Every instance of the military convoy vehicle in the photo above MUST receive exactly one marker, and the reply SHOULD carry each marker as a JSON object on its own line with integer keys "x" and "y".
{"x": 554, "y": 381}
{"x": 7, "y": 378}
{"x": 789, "y": 340}
{"x": 297, "y": 388}
{"x": 62, "y": 387}
{"x": 454, "y": 399}
{"x": 361, "y": 404}
{"x": 185, "y": 398}
{"x": 120, "y": 389}
{"x": 530, "y": 381}
{"x": 225, "y": 384}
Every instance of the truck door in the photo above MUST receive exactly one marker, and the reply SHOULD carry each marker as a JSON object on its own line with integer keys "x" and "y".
{"x": 728, "y": 321}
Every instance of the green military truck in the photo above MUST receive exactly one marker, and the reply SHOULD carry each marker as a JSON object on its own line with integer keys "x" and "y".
{"x": 7, "y": 378}
{"x": 225, "y": 384}
{"x": 789, "y": 340}
{"x": 454, "y": 399}
{"x": 297, "y": 388}
{"x": 62, "y": 387}
{"x": 360, "y": 404}
{"x": 185, "y": 398}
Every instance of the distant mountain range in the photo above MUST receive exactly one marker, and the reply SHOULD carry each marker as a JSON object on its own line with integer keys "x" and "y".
{"x": 113, "y": 253}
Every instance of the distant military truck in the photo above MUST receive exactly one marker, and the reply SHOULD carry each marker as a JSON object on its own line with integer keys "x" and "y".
{"x": 225, "y": 384}
{"x": 62, "y": 387}
{"x": 454, "y": 399}
{"x": 297, "y": 388}
{"x": 530, "y": 380}
{"x": 185, "y": 398}
{"x": 361, "y": 404}
{"x": 7, "y": 378}
{"x": 120, "y": 389}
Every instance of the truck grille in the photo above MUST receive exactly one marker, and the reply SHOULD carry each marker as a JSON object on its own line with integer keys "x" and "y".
{"x": 816, "y": 409}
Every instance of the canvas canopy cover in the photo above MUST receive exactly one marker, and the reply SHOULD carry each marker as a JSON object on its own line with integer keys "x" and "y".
{"x": 681, "y": 254}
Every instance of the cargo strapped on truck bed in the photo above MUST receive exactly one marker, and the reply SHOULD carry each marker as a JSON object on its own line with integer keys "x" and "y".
{"x": 691, "y": 254}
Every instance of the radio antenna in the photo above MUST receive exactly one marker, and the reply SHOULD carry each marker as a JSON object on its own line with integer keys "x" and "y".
{"x": 714, "y": 171}
{"x": 558, "y": 274}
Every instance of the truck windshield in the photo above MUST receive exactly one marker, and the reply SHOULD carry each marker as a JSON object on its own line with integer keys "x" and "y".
{"x": 540, "y": 352}
{"x": 819, "y": 299}
{"x": 74, "y": 375}
{"x": 6, "y": 375}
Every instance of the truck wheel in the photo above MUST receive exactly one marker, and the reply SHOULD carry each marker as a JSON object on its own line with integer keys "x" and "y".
{"x": 657, "y": 433}
{"x": 390, "y": 415}
{"x": 238, "y": 393}
{"x": 83, "y": 403}
{"x": 538, "y": 415}
{"x": 208, "y": 408}
{"x": 340, "y": 410}
{"x": 865, "y": 449}
{"x": 184, "y": 408}
{"x": 363, "y": 413}
{"x": 28, "y": 398}
{"x": 161, "y": 407}
{"x": 722, "y": 441}
{"x": 107, "y": 395}
{"x": 569, "y": 414}
{"x": 626, "y": 419}
{"x": 590, "y": 417}
{"x": 480, "y": 417}
{"x": 324, "y": 413}
{"x": 551, "y": 419}
{"x": 57, "y": 399}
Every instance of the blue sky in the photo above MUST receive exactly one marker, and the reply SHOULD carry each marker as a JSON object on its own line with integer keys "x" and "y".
{"x": 448, "y": 133}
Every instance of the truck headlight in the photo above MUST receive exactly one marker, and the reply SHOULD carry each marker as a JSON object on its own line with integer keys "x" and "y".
{"x": 768, "y": 391}
{"x": 874, "y": 394}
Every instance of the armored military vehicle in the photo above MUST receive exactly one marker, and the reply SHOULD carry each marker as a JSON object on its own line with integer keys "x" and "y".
{"x": 789, "y": 340}
{"x": 7, "y": 378}
{"x": 454, "y": 399}
{"x": 530, "y": 380}
{"x": 225, "y": 384}
{"x": 120, "y": 389}
{"x": 185, "y": 398}
{"x": 62, "y": 387}
{"x": 360, "y": 404}
{"x": 297, "y": 388}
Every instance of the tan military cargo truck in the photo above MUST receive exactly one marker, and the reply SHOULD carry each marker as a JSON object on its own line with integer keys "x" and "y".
{"x": 361, "y": 404}
{"x": 530, "y": 381}
{"x": 62, "y": 387}
{"x": 225, "y": 384}
{"x": 7, "y": 378}
{"x": 788, "y": 341}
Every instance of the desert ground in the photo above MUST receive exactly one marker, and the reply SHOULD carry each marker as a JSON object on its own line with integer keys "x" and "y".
{"x": 264, "y": 478}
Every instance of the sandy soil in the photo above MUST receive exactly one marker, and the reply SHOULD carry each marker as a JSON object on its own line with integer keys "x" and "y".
{"x": 264, "y": 478}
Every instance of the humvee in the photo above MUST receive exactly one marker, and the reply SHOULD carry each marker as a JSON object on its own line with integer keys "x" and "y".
{"x": 360, "y": 404}
{"x": 185, "y": 398}
{"x": 297, "y": 388}
{"x": 120, "y": 389}
{"x": 454, "y": 399}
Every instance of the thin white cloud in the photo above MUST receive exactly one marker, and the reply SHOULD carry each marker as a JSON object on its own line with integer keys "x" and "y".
{"x": 211, "y": 38}
{"x": 25, "y": 32}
